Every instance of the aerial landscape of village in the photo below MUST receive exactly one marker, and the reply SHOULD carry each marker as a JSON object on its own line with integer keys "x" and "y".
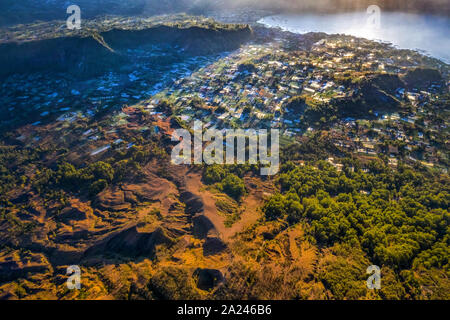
{"x": 93, "y": 207}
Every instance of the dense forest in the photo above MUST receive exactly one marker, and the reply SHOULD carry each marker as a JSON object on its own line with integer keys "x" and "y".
{"x": 399, "y": 219}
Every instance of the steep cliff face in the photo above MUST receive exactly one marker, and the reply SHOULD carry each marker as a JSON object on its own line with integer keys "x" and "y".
{"x": 65, "y": 54}
{"x": 89, "y": 55}
{"x": 195, "y": 40}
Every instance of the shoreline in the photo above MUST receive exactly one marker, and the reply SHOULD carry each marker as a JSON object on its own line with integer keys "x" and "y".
{"x": 287, "y": 23}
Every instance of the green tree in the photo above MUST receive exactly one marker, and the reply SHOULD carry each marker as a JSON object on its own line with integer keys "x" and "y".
{"x": 233, "y": 186}
{"x": 214, "y": 174}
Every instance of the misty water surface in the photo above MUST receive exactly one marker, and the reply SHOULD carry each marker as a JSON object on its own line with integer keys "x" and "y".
{"x": 426, "y": 33}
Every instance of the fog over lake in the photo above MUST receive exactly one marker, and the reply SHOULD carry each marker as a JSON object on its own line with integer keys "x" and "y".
{"x": 426, "y": 33}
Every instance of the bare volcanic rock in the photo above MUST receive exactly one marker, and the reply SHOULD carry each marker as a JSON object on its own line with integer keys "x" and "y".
{"x": 124, "y": 197}
{"x": 202, "y": 226}
{"x": 64, "y": 255}
{"x": 15, "y": 265}
{"x": 208, "y": 279}
{"x": 69, "y": 214}
{"x": 76, "y": 211}
{"x": 133, "y": 242}
{"x": 213, "y": 245}
{"x": 153, "y": 190}
{"x": 112, "y": 200}
{"x": 194, "y": 204}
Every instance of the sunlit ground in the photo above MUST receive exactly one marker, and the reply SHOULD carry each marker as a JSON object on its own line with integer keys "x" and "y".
{"x": 410, "y": 31}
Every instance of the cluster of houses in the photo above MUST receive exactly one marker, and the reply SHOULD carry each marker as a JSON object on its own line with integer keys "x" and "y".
{"x": 255, "y": 96}
{"x": 250, "y": 88}
{"x": 397, "y": 137}
{"x": 42, "y": 97}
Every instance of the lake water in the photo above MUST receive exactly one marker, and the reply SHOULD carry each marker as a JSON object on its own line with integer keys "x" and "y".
{"x": 426, "y": 33}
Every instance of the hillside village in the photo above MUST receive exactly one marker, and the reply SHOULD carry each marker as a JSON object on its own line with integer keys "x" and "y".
{"x": 252, "y": 88}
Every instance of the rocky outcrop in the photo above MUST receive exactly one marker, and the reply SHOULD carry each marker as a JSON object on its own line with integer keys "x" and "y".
{"x": 208, "y": 279}
{"x": 17, "y": 264}
{"x": 112, "y": 200}
{"x": 75, "y": 212}
{"x": 194, "y": 204}
{"x": 213, "y": 246}
{"x": 124, "y": 197}
{"x": 133, "y": 242}
{"x": 202, "y": 226}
